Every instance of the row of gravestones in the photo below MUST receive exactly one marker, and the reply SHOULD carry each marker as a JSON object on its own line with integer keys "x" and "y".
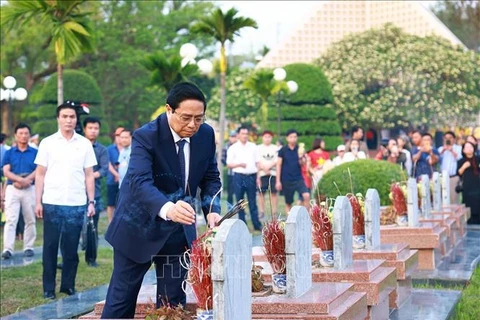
{"x": 232, "y": 254}
{"x": 441, "y": 195}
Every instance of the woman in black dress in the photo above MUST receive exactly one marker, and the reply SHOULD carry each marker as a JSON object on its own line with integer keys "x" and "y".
{"x": 469, "y": 171}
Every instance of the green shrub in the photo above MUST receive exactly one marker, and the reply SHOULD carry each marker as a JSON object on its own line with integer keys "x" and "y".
{"x": 331, "y": 142}
{"x": 365, "y": 174}
{"x": 77, "y": 86}
{"x": 313, "y": 85}
{"x": 303, "y": 112}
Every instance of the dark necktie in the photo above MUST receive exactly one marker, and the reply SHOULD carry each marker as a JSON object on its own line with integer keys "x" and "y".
{"x": 181, "y": 160}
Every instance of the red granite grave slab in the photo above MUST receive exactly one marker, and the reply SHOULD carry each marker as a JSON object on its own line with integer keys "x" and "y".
{"x": 458, "y": 215}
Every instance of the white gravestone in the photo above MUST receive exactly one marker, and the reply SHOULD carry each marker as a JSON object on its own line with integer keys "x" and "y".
{"x": 298, "y": 249}
{"x": 231, "y": 271}
{"x": 445, "y": 188}
{"x": 412, "y": 202}
{"x": 372, "y": 219}
{"x": 342, "y": 233}
{"x": 426, "y": 198}
{"x": 437, "y": 192}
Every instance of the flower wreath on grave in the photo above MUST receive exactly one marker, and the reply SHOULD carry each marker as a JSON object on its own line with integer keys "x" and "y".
{"x": 322, "y": 230}
{"x": 198, "y": 262}
{"x": 357, "y": 202}
{"x": 166, "y": 312}
{"x": 398, "y": 196}
{"x": 273, "y": 235}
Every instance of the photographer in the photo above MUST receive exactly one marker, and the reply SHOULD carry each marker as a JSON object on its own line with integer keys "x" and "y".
{"x": 450, "y": 153}
{"x": 425, "y": 157}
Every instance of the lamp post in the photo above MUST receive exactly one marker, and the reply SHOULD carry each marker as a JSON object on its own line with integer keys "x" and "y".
{"x": 279, "y": 74}
{"x": 10, "y": 94}
{"x": 189, "y": 52}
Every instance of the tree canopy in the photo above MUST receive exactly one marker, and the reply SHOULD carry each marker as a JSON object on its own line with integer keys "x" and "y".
{"x": 385, "y": 78}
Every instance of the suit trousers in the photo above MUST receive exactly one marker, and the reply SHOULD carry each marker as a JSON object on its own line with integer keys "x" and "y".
{"x": 63, "y": 222}
{"x": 128, "y": 275}
{"x": 17, "y": 200}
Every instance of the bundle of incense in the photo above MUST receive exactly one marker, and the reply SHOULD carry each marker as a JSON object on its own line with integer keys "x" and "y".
{"x": 240, "y": 205}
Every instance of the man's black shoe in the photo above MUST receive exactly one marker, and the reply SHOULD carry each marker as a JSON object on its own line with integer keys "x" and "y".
{"x": 28, "y": 253}
{"x": 70, "y": 291}
{"x": 6, "y": 255}
{"x": 49, "y": 295}
{"x": 93, "y": 264}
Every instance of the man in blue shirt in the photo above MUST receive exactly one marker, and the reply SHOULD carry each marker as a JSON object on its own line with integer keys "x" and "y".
{"x": 425, "y": 157}
{"x": 289, "y": 173}
{"x": 112, "y": 176}
{"x": 19, "y": 168}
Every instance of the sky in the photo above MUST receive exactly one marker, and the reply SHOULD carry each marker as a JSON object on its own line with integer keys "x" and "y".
{"x": 275, "y": 19}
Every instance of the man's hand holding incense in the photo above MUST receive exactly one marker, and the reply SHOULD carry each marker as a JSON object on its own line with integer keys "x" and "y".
{"x": 213, "y": 218}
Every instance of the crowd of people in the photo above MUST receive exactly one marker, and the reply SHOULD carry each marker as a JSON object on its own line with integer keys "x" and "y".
{"x": 272, "y": 168}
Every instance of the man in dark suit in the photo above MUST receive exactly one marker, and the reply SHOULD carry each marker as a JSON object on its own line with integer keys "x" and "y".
{"x": 154, "y": 220}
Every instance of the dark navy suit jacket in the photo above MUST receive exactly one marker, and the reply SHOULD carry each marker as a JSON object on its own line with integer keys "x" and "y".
{"x": 153, "y": 178}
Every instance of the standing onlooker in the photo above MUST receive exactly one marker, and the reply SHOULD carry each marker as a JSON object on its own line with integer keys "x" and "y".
{"x": 91, "y": 129}
{"x": 424, "y": 157}
{"x": 355, "y": 152}
{"x": 450, "y": 153}
{"x": 112, "y": 176}
{"x": 416, "y": 139}
{"x": 317, "y": 158}
{"x": 289, "y": 172}
{"x": 33, "y": 142}
{"x": 267, "y": 166}
{"x": 338, "y": 160}
{"x": 124, "y": 157}
{"x": 19, "y": 168}
{"x": 474, "y": 142}
{"x": 403, "y": 146}
{"x": 232, "y": 138}
{"x": 357, "y": 134}
{"x": 469, "y": 171}
{"x": 64, "y": 178}
{"x": 242, "y": 158}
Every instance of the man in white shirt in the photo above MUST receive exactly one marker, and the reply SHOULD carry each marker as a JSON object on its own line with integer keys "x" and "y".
{"x": 267, "y": 164}
{"x": 242, "y": 158}
{"x": 64, "y": 183}
{"x": 450, "y": 153}
{"x": 124, "y": 157}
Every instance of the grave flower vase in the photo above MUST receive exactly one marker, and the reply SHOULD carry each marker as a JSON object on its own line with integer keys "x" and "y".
{"x": 326, "y": 258}
{"x": 359, "y": 241}
{"x": 279, "y": 283}
{"x": 204, "y": 314}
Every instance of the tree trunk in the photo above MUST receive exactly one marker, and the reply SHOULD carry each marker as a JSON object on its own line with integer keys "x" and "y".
{"x": 223, "y": 102}
{"x": 59, "y": 84}
{"x": 5, "y": 116}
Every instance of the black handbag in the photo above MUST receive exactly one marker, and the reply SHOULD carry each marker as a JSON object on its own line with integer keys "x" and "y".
{"x": 459, "y": 186}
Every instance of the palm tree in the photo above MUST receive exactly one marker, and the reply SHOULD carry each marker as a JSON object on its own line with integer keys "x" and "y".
{"x": 263, "y": 84}
{"x": 166, "y": 72}
{"x": 68, "y": 26}
{"x": 222, "y": 27}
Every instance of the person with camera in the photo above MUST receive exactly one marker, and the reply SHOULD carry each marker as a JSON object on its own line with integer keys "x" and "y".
{"x": 425, "y": 157}
{"x": 469, "y": 172}
{"x": 450, "y": 153}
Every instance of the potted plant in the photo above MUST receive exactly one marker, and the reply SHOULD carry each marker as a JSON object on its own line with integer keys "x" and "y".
{"x": 322, "y": 231}
{"x": 273, "y": 235}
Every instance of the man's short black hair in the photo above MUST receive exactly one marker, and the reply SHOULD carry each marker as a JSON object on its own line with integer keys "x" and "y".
{"x": 417, "y": 131}
{"x": 21, "y": 126}
{"x": 67, "y": 105}
{"x": 127, "y": 130}
{"x": 450, "y": 133}
{"x": 242, "y": 128}
{"x": 290, "y": 131}
{"x": 185, "y": 91}
{"x": 355, "y": 129}
{"x": 427, "y": 135}
{"x": 3, "y": 137}
{"x": 88, "y": 120}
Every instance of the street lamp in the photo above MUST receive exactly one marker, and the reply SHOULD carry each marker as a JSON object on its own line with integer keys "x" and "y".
{"x": 10, "y": 94}
{"x": 279, "y": 74}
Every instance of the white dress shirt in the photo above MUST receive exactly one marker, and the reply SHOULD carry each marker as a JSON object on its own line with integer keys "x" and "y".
{"x": 243, "y": 153}
{"x": 186, "y": 153}
{"x": 65, "y": 161}
{"x": 448, "y": 160}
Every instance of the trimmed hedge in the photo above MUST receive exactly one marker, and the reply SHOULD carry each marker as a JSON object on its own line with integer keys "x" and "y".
{"x": 77, "y": 86}
{"x": 303, "y": 112}
{"x": 331, "y": 142}
{"x": 365, "y": 174}
{"x": 313, "y": 85}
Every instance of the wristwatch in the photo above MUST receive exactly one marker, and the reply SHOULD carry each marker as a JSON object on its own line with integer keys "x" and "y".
{"x": 92, "y": 202}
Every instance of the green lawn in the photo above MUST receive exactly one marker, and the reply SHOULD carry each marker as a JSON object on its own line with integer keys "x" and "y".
{"x": 468, "y": 308}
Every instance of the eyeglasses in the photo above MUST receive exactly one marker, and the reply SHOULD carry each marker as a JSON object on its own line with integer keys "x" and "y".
{"x": 187, "y": 119}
